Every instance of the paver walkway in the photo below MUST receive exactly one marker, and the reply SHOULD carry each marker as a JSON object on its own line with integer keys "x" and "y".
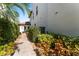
{"x": 25, "y": 47}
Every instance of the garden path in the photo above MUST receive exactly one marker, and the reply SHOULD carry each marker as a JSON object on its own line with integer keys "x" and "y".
{"x": 25, "y": 47}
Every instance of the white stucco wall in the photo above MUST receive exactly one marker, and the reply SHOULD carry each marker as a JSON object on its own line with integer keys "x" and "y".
{"x": 41, "y": 18}
{"x": 66, "y": 20}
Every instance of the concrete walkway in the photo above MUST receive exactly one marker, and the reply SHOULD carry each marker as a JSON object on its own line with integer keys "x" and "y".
{"x": 25, "y": 47}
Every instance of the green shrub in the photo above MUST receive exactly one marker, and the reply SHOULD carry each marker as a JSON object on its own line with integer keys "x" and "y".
{"x": 1, "y": 38}
{"x": 9, "y": 31}
{"x": 33, "y": 31}
{"x": 44, "y": 41}
{"x": 54, "y": 35}
{"x": 48, "y": 39}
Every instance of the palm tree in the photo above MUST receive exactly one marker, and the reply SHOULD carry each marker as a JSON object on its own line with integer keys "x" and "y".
{"x": 8, "y": 18}
{"x": 7, "y": 11}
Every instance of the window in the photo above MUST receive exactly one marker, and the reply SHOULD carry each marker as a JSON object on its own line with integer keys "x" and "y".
{"x": 42, "y": 29}
{"x": 36, "y": 10}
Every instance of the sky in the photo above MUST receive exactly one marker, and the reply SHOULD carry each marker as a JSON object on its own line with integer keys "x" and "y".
{"x": 22, "y": 17}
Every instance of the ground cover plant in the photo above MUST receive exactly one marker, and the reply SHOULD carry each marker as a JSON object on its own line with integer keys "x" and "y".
{"x": 52, "y": 44}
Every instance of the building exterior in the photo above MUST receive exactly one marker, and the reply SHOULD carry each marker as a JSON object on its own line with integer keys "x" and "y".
{"x": 23, "y": 26}
{"x": 56, "y": 17}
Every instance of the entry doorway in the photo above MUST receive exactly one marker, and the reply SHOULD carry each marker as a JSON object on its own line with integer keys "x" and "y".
{"x": 21, "y": 28}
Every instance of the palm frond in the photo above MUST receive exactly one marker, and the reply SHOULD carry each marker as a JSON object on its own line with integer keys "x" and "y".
{"x": 23, "y": 6}
{"x": 10, "y": 12}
